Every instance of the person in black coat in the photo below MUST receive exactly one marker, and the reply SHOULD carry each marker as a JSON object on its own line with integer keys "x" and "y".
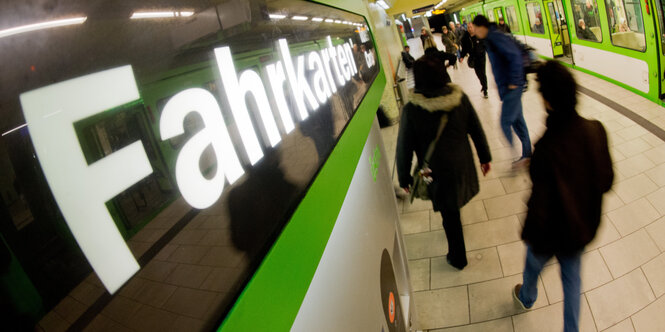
{"x": 584, "y": 33}
{"x": 475, "y": 48}
{"x": 407, "y": 58}
{"x": 571, "y": 169}
{"x": 455, "y": 180}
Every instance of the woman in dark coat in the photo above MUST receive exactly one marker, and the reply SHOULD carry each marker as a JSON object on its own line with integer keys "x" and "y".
{"x": 455, "y": 180}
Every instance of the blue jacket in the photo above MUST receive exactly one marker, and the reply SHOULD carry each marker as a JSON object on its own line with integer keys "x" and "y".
{"x": 506, "y": 59}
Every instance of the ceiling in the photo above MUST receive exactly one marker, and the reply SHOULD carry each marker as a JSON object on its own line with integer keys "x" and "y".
{"x": 406, "y": 6}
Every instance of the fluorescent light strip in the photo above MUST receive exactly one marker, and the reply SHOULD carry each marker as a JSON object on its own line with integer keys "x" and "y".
{"x": 15, "y": 129}
{"x": 300, "y": 18}
{"x": 276, "y": 16}
{"x": 139, "y": 15}
{"x": 383, "y": 4}
{"x": 338, "y": 21}
{"x": 317, "y": 19}
{"x": 329, "y": 20}
{"x": 41, "y": 26}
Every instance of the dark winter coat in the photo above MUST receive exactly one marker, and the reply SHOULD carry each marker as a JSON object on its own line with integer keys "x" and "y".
{"x": 452, "y": 163}
{"x": 474, "y": 47}
{"x": 571, "y": 168}
{"x": 506, "y": 59}
{"x": 408, "y": 59}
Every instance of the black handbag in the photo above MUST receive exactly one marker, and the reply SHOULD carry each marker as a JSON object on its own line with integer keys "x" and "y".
{"x": 421, "y": 178}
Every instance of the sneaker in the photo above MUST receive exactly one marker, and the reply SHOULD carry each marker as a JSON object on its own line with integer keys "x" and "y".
{"x": 516, "y": 296}
{"x": 521, "y": 164}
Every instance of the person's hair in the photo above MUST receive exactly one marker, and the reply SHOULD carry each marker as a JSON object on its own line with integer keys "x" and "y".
{"x": 481, "y": 21}
{"x": 558, "y": 86}
{"x": 430, "y": 75}
{"x": 406, "y": 46}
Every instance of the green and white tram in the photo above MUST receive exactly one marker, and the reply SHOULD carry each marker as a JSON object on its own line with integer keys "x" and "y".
{"x": 621, "y": 41}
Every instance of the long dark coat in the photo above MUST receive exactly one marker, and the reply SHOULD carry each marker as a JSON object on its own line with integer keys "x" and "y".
{"x": 453, "y": 168}
{"x": 571, "y": 168}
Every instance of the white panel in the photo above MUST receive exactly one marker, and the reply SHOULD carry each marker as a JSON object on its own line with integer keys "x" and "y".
{"x": 542, "y": 46}
{"x": 345, "y": 293}
{"x": 627, "y": 70}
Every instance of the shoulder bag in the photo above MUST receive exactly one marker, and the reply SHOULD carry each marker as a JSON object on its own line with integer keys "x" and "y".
{"x": 421, "y": 176}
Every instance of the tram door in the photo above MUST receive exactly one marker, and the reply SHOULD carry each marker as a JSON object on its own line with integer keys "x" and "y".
{"x": 559, "y": 35}
{"x": 660, "y": 30}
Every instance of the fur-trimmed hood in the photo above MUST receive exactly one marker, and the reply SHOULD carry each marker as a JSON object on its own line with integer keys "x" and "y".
{"x": 444, "y": 103}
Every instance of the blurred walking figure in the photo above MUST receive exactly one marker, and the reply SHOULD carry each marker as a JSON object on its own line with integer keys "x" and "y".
{"x": 571, "y": 169}
{"x": 503, "y": 26}
{"x": 440, "y": 108}
{"x": 508, "y": 67}
{"x": 407, "y": 58}
{"x": 449, "y": 40}
{"x": 475, "y": 48}
{"x": 424, "y": 35}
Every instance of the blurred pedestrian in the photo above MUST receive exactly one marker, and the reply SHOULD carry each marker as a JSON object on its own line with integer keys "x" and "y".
{"x": 449, "y": 41}
{"x": 475, "y": 48}
{"x": 570, "y": 170}
{"x": 424, "y": 35}
{"x": 503, "y": 26}
{"x": 407, "y": 58}
{"x": 508, "y": 67}
{"x": 439, "y": 117}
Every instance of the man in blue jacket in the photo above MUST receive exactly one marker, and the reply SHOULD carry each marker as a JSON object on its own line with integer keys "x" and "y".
{"x": 508, "y": 68}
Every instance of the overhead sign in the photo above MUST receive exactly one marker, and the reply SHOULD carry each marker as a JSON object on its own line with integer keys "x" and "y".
{"x": 81, "y": 189}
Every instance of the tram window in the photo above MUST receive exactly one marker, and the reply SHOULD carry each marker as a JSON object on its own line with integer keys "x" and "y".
{"x": 587, "y": 20}
{"x": 490, "y": 16}
{"x": 511, "y": 19}
{"x": 535, "y": 18}
{"x": 626, "y": 24}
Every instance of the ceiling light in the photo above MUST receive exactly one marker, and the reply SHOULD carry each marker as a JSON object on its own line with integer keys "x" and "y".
{"x": 329, "y": 20}
{"x": 41, "y": 26}
{"x": 276, "y": 16}
{"x": 383, "y": 4}
{"x": 338, "y": 21}
{"x": 15, "y": 129}
{"x": 300, "y": 18}
{"x": 317, "y": 19}
{"x": 137, "y": 15}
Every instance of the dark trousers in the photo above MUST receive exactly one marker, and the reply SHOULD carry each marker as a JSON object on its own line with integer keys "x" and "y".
{"x": 452, "y": 224}
{"x": 479, "y": 67}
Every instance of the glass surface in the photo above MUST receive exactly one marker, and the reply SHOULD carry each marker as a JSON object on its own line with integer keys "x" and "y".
{"x": 511, "y": 19}
{"x": 626, "y": 24}
{"x": 661, "y": 25}
{"x": 535, "y": 18}
{"x": 490, "y": 16}
{"x": 194, "y": 261}
{"x": 586, "y": 17}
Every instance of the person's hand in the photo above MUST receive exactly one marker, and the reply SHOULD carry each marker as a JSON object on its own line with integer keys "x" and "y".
{"x": 485, "y": 168}
{"x": 461, "y": 60}
{"x": 512, "y": 86}
{"x": 407, "y": 190}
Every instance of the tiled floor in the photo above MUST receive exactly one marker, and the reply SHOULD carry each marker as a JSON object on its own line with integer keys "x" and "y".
{"x": 623, "y": 269}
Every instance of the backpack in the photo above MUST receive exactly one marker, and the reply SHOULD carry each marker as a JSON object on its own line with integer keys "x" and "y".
{"x": 530, "y": 60}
